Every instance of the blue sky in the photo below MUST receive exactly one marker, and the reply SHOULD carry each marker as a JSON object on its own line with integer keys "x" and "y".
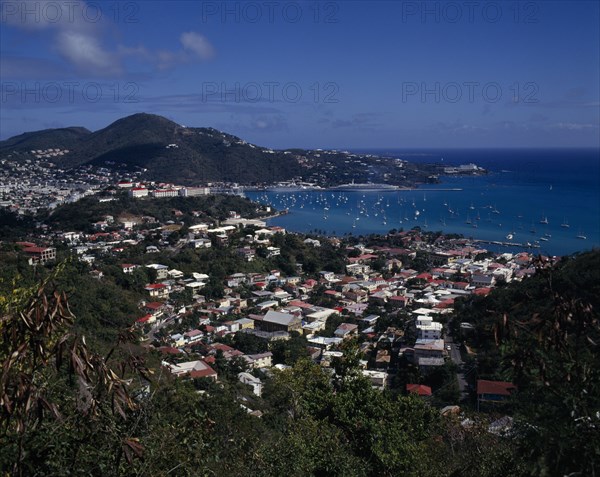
{"x": 344, "y": 74}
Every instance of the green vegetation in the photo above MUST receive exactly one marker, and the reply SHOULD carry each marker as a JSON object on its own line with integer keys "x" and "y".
{"x": 544, "y": 335}
{"x": 77, "y": 396}
{"x": 82, "y": 214}
{"x": 140, "y": 140}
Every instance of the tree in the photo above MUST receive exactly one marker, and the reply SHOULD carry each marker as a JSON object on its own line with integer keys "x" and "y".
{"x": 51, "y": 380}
{"x": 544, "y": 335}
{"x": 290, "y": 351}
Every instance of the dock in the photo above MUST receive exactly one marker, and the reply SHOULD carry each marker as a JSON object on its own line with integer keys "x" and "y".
{"x": 507, "y": 244}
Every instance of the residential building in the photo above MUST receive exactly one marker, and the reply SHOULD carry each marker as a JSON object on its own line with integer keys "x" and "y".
{"x": 252, "y": 381}
{"x": 160, "y": 193}
{"x": 277, "y": 321}
{"x": 138, "y": 192}
{"x": 40, "y": 255}
{"x": 191, "y": 369}
{"x": 493, "y": 391}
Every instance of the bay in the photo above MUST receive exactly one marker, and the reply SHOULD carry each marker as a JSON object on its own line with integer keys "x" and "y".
{"x": 523, "y": 190}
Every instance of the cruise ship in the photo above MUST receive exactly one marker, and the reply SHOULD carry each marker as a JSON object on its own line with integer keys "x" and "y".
{"x": 365, "y": 186}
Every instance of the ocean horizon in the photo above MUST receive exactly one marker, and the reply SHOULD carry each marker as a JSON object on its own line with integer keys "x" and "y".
{"x": 545, "y": 199}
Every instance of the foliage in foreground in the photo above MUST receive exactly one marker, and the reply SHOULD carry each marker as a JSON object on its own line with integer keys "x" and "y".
{"x": 67, "y": 410}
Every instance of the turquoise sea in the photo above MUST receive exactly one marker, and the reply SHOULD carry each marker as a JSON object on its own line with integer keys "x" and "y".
{"x": 523, "y": 190}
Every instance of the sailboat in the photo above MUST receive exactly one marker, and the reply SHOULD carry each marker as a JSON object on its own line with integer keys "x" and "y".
{"x": 565, "y": 224}
{"x": 544, "y": 220}
{"x": 581, "y": 235}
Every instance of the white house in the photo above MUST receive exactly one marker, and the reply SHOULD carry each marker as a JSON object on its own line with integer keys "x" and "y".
{"x": 255, "y": 383}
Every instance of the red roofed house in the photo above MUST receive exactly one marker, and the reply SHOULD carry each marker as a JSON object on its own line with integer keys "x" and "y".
{"x": 169, "y": 350}
{"x": 157, "y": 290}
{"x": 398, "y": 301}
{"x": 147, "y": 319}
{"x": 193, "y": 336}
{"x": 493, "y": 391}
{"x": 192, "y": 369}
{"x": 482, "y": 291}
{"x": 138, "y": 192}
{"x": 419, "y": 389}
{"x": 40, "y": 254}
{"x": 154, "y": 308}
{"x": 448, "y": 303}
{"x": 459, "y": 285}
{"x": 128, "y": 267}
{"x": 228, "y": 351}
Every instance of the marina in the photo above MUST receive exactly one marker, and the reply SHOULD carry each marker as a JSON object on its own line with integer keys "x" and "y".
{"x": 513, "y": 208}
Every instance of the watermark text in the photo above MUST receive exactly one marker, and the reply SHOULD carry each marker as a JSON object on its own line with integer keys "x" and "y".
{"x": 270, "y": 12}
{"x": 269, "y": 91}
{"x": 469, "y": 91}
{"x": 469, "y": 12}
{"x": 68, "y": 12}
{"x": 69, "y": 92}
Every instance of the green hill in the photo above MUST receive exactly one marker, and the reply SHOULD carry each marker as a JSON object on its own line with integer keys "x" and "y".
{"x": 169, "y": 151}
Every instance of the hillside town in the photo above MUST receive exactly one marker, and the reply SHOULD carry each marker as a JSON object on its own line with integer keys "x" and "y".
{"x": 32, "y": 182}
{"x": 398, "y": 315}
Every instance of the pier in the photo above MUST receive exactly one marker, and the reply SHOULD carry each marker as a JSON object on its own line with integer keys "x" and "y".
{"x": 507, "y": 244}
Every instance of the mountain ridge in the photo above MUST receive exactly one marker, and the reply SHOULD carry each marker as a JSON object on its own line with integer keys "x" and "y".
{"x": 170, "y": 152}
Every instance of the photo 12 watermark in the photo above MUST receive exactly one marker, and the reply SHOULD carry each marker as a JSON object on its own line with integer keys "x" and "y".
{"x": 61, "y": 12}
{"x": 469, "y": 12}
{"x": 469, "y": 91}
{"x": 269, "y": 92}
{"x": 270, "y": 12}
{"x": 68, "y": 92}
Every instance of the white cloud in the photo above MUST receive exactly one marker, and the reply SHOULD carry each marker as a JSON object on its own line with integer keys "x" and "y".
{"x": 197, "y": 45}
{"x": 86, "y": 53}
{"x": 576, "y": 126}
{"x": 81, "y": 42}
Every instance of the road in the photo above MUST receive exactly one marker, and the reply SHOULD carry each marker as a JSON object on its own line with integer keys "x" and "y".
{"x": 155, "y": 329}
{"x": 455, "y": 356}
